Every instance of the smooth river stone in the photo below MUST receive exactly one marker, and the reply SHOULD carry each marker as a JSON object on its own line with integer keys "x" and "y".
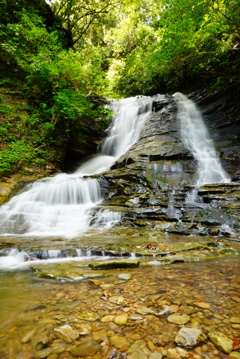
{"x": 202, "y": 305}
{"x": 121, "y": 319}
{"x": 207, "y": 321}
{"x": 83, "y": 328}
{"x": 88, "y": 316}
{"x": 125, "y": 276}
{"x": 107, "y": 318}
{"x": 189, "y": 337}
{"x": 67, "y": 333}
{"x": 235, "y": 320}
{"x": 177, "y": 353}
{"x": 100, "y": 335}
{"x": 155, "y": 355}
{"x": 178, "y": 318}
{"x": 119, "y": 342}
{"x": 28, "y": 336}
{"x": 137, "y": 345}
{"x": 235, "y": 326}
{"x": 144, "y": 310}
{"x": 236, "y": 299}
{"x": 221, "y": 341}
{"x": 117, "y": 299}
{"x": 138, "y": 355}
{"x": 41, "y": 354}
{"x": 87, "y": 348}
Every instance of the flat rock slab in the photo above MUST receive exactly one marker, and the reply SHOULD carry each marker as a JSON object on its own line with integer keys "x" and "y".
{"x": 115, "y": 264}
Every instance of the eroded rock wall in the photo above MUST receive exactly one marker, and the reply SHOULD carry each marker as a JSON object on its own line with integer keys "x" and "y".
{"x": 149, "y": 184}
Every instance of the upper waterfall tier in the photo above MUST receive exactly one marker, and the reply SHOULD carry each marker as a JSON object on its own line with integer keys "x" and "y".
{"x": 127, "y": 124}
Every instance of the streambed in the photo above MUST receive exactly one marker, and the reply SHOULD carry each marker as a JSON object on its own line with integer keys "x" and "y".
{"x": 113, "y": 314}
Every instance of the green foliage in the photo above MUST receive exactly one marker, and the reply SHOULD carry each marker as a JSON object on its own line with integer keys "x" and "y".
{"x": 11, "y": 157}
{"x": 69, "y": 105}
{"x": 59, "y": 92}
{"x": 189, "y": 39}
{"x": 54, "y": 83}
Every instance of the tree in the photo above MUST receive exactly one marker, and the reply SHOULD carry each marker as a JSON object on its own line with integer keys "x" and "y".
{"x": 80, "y": 16}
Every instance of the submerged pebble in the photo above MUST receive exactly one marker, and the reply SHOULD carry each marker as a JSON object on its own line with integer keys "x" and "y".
{"x": 178, "y": 318}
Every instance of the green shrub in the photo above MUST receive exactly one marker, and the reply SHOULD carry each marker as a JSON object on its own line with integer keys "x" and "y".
{"x": 12, "y": 157}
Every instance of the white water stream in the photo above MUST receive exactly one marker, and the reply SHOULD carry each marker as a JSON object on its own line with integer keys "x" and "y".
{"x": 16, "y": 259}
{"x": 195, "y": 137}
{"x": 63, "y": 205}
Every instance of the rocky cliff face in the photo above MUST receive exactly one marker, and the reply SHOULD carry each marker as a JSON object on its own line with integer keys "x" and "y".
{"x": 149, "y": 184}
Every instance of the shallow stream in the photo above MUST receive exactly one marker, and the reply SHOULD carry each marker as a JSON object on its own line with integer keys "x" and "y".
{"x": 32, "y": 309}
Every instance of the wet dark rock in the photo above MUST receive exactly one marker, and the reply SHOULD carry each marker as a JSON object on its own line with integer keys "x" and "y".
{"x": 39, "y": 307}
{"x": 158, "y": 105}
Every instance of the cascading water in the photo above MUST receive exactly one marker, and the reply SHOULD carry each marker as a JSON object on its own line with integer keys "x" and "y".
{"x": 62, "y": 205}
{"x": 195, "y": 137}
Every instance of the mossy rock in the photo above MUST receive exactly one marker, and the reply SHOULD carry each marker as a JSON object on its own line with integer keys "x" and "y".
{"x": 115, "y": 264}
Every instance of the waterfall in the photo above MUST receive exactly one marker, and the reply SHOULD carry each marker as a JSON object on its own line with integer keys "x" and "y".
{"x": 195, "y": 137}
{"x": 63, "y": 205}
{"x": 127, "y": 125}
